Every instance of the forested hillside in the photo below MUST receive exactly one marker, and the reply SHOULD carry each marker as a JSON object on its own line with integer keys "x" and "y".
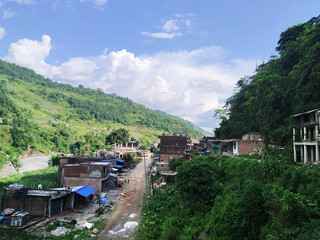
{"x": 286, "y": 85}
{"x": 40, "y": 115}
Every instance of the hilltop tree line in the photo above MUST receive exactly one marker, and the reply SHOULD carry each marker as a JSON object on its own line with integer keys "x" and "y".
{"x": 286, "y": 85}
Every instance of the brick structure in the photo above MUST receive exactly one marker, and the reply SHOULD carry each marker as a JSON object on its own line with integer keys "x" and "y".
{"x": 171, "y": 147}
{"x": 75, "y": 160}
{"x": 92, "y": 174}
{"x": 249, "y": 146}
{"x": 250, "y": 143}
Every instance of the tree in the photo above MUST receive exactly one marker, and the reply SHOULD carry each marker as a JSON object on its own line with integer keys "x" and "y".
{"x": 120, "y": 135}
{"x": 197, "y": 183}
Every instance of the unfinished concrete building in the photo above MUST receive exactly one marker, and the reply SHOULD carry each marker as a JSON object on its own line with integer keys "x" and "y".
{"x": 92, "y": 174}
{"x": 306, "y": 137}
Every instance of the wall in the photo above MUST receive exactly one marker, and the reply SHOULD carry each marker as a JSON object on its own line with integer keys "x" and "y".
{"x": 250, "y": 146}
{"x": 166, "y": 157}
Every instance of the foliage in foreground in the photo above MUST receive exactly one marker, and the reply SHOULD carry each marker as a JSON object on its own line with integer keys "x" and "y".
{"x": 244, "y": 199}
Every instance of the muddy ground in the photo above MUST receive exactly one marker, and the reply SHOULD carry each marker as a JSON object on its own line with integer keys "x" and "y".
{"x": 124, "y": 221}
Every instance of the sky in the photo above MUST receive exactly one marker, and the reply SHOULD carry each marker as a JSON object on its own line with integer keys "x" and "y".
{"x": 183, "y": 57}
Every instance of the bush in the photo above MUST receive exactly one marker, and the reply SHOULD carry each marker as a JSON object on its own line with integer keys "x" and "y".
{"x": 54, "y": 160}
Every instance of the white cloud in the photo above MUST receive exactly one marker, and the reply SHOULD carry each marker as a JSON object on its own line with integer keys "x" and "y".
{"x": 6, "y": 14}
{"x": 174, "y": 27}
{"x": 171, "y": 25}
{"x": 2, "y": 32}
{"x": 31, "y": 54}
{"x": 189, "y": 84}
{"x": 163, "y": 35}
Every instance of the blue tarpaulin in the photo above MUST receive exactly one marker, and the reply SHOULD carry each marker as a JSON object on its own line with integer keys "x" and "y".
{"x": 117, "y": 166}
{"x": 109, "y": 160}
{"x": 85, "y": 191}
{"x": 120, "y": 160}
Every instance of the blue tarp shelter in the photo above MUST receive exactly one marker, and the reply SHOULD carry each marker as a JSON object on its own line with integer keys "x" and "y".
{"x": 109, "y": 160}
{"x": 117, "y": 166}
{"x": 120, "y": 160}
{"x": 85, "y": 191}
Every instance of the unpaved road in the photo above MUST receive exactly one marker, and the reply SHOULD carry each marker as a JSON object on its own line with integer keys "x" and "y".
{"x": 125, "y": 219}
{"x": 28, "y": 164}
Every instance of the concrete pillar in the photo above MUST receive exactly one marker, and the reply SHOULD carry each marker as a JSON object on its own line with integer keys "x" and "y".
{"x": 49, "y": 208}
{"x": 294, "y": 146}
{"x": 312, "y": 153}
{"x": 304, "y": 133}
{"x": 301, "y": 155}
{"x": 305, "y": 154}
{"x": 317, "y": 143}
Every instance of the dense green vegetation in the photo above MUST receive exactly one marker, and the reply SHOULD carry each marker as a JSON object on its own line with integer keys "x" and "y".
{"x": 219, "y": 197}
{"x": 288, "y": 84}
{"x": 38, "y": 115}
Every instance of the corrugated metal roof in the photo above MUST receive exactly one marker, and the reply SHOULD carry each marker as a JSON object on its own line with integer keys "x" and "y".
{"x": 85, "y": 191}
{"x": 109, "y": 160}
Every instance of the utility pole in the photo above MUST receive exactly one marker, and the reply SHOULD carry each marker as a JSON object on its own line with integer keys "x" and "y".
{"x": 146, "y": 177}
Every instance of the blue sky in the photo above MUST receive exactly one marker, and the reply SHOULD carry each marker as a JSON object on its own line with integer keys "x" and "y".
{"x": 182, "y": 57}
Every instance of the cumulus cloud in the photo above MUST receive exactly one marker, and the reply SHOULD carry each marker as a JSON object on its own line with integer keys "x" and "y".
{"x": 31, "y": 54}
{"x": 2, "y": 32}
{"x": 189, "y": 84}
{"x": 173, "y": 27}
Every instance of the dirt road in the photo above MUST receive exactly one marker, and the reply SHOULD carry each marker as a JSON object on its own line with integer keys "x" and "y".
{"x": 126, "y": 218}
{"x": 28, "y": 164}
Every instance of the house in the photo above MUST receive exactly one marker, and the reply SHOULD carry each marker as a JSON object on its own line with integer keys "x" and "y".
{"x": 250, "y": 143}
{"x": 75, "y": 160}
{"x": 44, "y": 203}
{"x": 306, "y": 137}
{"x": 92, "y": 174}
{"x": 171, "y": 147}
{"x": 39, "y": 203}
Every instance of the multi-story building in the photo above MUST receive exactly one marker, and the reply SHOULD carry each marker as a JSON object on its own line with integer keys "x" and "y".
{"x": 171, "y": 147}
{"x": 306, "y": 136}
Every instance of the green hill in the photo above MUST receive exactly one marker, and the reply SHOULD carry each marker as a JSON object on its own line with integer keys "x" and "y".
{"x": 40, "y": 115}
{"x": 288, "y": 84}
